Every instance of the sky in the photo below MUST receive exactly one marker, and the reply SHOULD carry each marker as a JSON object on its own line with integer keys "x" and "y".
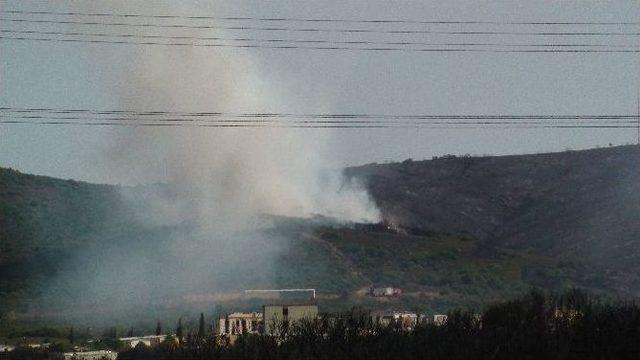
{"x": 133, "y": 77}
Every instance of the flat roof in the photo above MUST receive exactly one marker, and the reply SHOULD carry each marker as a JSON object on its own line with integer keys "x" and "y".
{"x": 243, "y": 315}
{"x": 290, "y": 304}
{"x": 142, "y": 337}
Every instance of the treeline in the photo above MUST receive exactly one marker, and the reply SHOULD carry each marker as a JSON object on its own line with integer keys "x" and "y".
{"x": 535, "y": 326}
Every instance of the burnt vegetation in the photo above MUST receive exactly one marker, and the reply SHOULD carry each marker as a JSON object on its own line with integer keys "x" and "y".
{"x": 573, "y": 210}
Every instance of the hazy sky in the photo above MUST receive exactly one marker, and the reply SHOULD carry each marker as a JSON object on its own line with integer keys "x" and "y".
{"x": 103, "y": 76}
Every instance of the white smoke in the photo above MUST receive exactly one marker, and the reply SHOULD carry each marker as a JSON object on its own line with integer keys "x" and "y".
{"x": 228, "y": 175}
{"x": 205, "y": 233}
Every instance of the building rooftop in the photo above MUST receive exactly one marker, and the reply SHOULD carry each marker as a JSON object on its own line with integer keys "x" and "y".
{"x": 284, "y": 303}
{"x": 244, "y": 315}
{"x": 142, "y": 337}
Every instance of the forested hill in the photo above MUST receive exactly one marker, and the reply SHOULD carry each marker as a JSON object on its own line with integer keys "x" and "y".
{"x": 39, "y": 213}
{"x": 580, "y": 204}
{"x": 470, "y": 230}
{"x": 46, "y": 224}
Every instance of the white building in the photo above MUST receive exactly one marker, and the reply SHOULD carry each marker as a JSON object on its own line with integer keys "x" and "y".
{"x": 385, "y": 291}
{"x": 240, "y": 323}
{"x": 90, "y": 355}
{"x": 149, "y": 340}
{"x": 439, "y": 319}
{"x": 406, "y": 319}
{"x": 6, "y": 348}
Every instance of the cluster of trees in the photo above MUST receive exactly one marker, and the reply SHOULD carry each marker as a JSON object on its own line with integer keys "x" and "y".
{"x": 535, "y": 326}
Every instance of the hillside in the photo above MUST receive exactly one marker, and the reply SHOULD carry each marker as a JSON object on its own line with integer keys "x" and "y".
{"x": 45, "y": 222}
{"x": 464, "y": 231}
{"x": 579, "y": 205}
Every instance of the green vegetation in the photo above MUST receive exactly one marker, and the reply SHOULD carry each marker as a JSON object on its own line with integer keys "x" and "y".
{"x": 435, "y": 271}
{"x": 535, "y": 326}
{"x": 44, "y": 221}
{"x": 472, "y": 231}
{"x": 538, "y": 325}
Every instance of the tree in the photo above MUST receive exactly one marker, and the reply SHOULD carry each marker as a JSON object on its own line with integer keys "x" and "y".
{"x": 169, "y": 344}
{"x": 60, "y": 347}
{"x": 110, "y": 338}
{"x": 71, "y": 335}
{"x": 158, "y": 328}
{"x": 113, "y": 333}
{"x": 201, "y": 328}
{"x": 179, "y": 330}
{"x": 130, "y": 333}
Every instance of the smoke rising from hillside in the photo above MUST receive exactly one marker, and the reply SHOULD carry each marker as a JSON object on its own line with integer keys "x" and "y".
{"x": 231, "y": 174}
{"x": 206, "y": 230}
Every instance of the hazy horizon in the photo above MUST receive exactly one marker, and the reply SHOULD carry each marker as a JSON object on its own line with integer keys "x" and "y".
{"x": 117, "y": 77}
{"x": 263, "y": 145}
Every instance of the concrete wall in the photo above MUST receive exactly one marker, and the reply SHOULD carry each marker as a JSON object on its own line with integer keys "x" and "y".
{"x": 277, "y": 314}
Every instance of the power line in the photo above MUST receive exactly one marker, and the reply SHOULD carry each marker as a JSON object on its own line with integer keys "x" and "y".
{"x": 316, "y": 20}
{"x": 298, "y": 41}
{"x": 143, "y": 113}
{"x": 313, "y": 44}
{"x": 321, "y": 126}
{"x": 338, "y": 48}
{"x": 35, "y": 119}
{"x": 331, "y": 121}
{"x": 221, "y": 119}
{"x": 326, "y": 30}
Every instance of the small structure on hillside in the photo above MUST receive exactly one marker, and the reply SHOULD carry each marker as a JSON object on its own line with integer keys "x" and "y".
{"x": 239, "y": 323}
{"x": 567, "y": 314}
{"x": 405, "y": 319}
{"x": 384, "y": 291}
{"x": 148, "y": 340}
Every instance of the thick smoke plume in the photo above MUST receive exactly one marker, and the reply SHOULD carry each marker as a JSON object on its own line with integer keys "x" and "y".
{"x": 228, "y": 174}
{"x": 206, "y": 230}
